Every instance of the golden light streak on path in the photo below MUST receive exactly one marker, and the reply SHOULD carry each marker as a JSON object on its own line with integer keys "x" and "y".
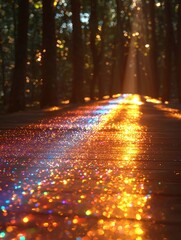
{"x": 122, "y": 203}
{"x": 169, "y": 110}
{"x": 99, "y": 171}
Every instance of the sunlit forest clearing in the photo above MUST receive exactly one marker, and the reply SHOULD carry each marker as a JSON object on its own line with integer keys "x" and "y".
{"x": 61, "y": 51}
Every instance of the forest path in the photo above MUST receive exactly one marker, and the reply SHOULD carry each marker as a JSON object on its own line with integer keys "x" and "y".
{"x": 106, "y": 170}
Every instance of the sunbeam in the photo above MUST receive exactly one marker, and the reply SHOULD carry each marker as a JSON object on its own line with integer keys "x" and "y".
{"x": 138, "y": 74}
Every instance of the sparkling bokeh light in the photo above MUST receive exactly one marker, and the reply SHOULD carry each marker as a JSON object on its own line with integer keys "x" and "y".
{"x": 67, "y": 176}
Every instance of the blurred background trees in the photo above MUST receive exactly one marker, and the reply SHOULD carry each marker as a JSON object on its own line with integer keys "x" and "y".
{"x": 57, "y": 50}
{"x": 17, "y": 96}
{"x": 49, "y": 56}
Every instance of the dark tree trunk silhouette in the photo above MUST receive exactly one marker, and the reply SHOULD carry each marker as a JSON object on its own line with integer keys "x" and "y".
{"x": 49, "y": 70}
{"x": 122, "y": 49}
{"x": 113, "y": 72}
{"x": 101, "y": 50}
{"x": 2, "y": 76}
{"x": 119, "y": 60}
{"x": 17, "y": 98}
{"x": 77, "y": 54}
{"x": 14, "y": 18}
{"x": 153, "y": 50}
{"x": 168, "y": 52}
{"x": 97, "y": 49}
{"x": 93, "y": 32}
{"x": 179, "y": 53}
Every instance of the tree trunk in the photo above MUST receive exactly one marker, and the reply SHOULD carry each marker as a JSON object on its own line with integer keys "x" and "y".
{"x": 93, "y": 32}
{"x": 77, "y": 54}
{"x": 2, "y": 77}
{"x": 179, "y": 54}
{"x": 118, "y": 66}
{"x": 101, "y": 51}
{"x": 49, "y": 69}
{"x": 17, "y": 98}
{"x": 168, "y": 52}
{"x": 153, "y": 50}
{"x": 97, "y": 49}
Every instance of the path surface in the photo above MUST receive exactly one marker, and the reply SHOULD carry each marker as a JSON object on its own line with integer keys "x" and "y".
{"x": 104, "y": 171}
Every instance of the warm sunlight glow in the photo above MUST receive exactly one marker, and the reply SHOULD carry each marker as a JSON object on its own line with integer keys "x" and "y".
{"x": 25, "y": 219}
{"x": 152, "y": 100}
{"x": 96, "y": 181}
{"x": 138, "y": 72}
{"x": 135, "y": 34}
{"x": 127, "y": 199}
{"x": 65, "y": 102}
{"x": 38, "y": 56}
{"x": 98, "y": 37}
{"x": 52, "y": 109}
{"x": 170, "y": 112}
{"x": 55, "y": 3}
{"x": 158, "y": 4}
{"x": 133, "y": 99}
{"x": 147, "y": 45}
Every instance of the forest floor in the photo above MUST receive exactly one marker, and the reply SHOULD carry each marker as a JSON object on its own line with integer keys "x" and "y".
{"x": 104, "y": 170}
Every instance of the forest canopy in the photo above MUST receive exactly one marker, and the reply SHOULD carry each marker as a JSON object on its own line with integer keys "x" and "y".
{"x": 71, "y": 50}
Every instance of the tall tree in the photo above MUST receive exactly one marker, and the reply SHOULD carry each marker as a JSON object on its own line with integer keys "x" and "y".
{"x": 118, "y": 54}
{"x": 17, "y": 98}
{"x": 179, "y": 52}
{"x": 2, "y": 70}
{"x": 153, "y": 49}
{"x": 93, "y": 21}
{"x": 168, "y": 51}
{"x": 77, "y": 53}
{"x": 49, "y": 69}
{"x": 97, "y": 23}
